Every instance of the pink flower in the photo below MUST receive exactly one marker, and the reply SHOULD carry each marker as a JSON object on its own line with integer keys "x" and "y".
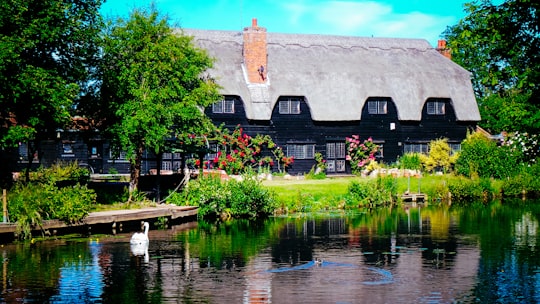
{"x": 348, "y": 157}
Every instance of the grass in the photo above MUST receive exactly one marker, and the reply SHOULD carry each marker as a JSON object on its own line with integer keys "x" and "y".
{"x": 310, "y": 195}
{"x": 314, "y": 195}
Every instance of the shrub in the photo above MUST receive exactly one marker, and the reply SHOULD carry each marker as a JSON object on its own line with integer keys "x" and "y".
{"x": 525, "y": 145}
{"x": 466, "y": 190}
{"x": 217, "y": 198}
{"x": 31, "y": 204}
{"x": 238, "y": 151}
{"x": 371, "y": 193}
{"x": 526, "y": 183}
{"x": 61, "y": 173}
{"x": 439, "y": 157}
{"x": 410, "y": 161}
{"x": 319, "y": 170}
{"x": 480, "y": 156}
{"x": 250, "y": 199}
{"x": 359, "y": 154}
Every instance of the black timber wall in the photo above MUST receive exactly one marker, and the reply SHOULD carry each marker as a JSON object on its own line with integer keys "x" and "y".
{"x": 300, "y": 128}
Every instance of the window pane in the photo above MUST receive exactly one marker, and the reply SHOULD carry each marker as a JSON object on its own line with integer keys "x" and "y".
{"x": 372, "y": 107}
{"x": 340, "y": 165}
{"x": 440, "y": 108}
{"x": 380, "y": 152}
{"x": 166, "y": 165}
{"x": 228, "y": 106}
{"x": 340, "y": 150}
{"x": 382, "y": 107}
{"x": 431, "y": 108}
{"x": 218, "y": 107}
{"x": 309, "y": 151}
{"x": 330, "y": 150}
{"x": 283, "y": 107}
{"x": 331, "y": 165}
{"x": 295, "y": 106}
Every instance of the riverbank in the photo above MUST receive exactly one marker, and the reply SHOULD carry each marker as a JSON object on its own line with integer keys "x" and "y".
{"x": 110, "y": 221}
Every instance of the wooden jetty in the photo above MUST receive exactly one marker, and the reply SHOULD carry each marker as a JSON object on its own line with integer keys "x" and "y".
{"x": 409, "y": 196}
{"x": 414, "y": 197}
{"x": 113, "y": 218}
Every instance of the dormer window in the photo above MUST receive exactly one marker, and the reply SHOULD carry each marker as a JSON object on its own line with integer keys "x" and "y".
{"x": 436, "y": 107}
{"x": 289, "y": 106}
{"x": 377, "y": 106}
{"x": 224, "y": 106}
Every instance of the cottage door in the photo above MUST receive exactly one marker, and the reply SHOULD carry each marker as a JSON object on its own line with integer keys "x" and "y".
{"x": 335, "y": 157}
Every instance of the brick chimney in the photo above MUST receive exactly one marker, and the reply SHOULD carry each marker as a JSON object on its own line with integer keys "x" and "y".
{"x": 255, "y": 57}
{"x": 441, "y": 48}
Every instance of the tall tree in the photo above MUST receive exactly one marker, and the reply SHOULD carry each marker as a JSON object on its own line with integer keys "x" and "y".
{"x": 499, "y": 45}
{"x": 153, "y": 85}
{"x": 47, "y": 51}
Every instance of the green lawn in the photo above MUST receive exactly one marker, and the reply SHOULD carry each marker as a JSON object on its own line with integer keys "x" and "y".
{"x": 328, "y": 193}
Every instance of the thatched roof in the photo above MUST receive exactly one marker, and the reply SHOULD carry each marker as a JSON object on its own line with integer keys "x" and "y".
{"x": 337, "y": 74}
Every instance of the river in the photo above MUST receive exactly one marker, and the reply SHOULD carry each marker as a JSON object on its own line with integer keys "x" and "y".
{"x": 481, "y": 253}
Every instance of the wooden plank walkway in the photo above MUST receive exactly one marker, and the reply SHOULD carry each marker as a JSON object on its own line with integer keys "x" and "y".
{"x": 115, "y": 216}
{"x": 414, "y": 197}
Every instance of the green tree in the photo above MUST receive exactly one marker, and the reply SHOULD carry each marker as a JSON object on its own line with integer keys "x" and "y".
{"x": 498, "y": 44}
{"x": 153, "y": 85}
{"x": 48, "y": 49}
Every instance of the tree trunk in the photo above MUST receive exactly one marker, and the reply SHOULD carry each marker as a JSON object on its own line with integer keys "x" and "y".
{"x": 135, "y": 172}
{"x": 159, "y": 158}
{"x": 32, "y": 149}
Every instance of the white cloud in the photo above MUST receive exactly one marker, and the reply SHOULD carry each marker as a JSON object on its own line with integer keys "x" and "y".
{"x": 363, "y": 18}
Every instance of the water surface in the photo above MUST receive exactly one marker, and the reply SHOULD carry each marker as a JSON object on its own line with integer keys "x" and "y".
{"x": 421, "y": 254}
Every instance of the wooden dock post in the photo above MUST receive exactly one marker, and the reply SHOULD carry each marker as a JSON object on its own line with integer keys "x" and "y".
{"x": 4, "y": 205}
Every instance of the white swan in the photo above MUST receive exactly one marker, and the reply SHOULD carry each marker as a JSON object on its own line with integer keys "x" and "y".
{"x": 141, "y": 238}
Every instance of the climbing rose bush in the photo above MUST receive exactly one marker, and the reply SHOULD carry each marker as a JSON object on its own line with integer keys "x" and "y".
{"x": 238, "y": 151}
{"x": 528, "y": 145}
{"x": 360, "y": 153}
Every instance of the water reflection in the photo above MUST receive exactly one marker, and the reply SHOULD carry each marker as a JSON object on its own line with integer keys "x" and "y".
{"x": 410, "y": 254}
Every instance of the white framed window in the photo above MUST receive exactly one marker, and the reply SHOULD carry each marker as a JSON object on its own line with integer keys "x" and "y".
{"x": 289, "y": 106}
{"x": 213, "y": 153}
{"x": 167, "y": 155}
{"x": 301, "y": 151}
{"x": 24, "y": 152}
{"x": 67, "y": 149}
{"x": 454, "y": 148}
{"x": 436, "y": 107}
{"x": 340, "y": 165}
{"x": 377, "y": 107}
{"x": 122, "y": 157}
{"x": 166, "y": 165}
{"x": 335, "y": 157}
{"x": 224, "y": 106}
{"x": 335, "y": 150}
{"x": 416, "y": 148}
{"x": 331, "y": 165}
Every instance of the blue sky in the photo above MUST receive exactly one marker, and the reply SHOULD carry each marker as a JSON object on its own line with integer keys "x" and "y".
{"x": 425, "y": 19}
